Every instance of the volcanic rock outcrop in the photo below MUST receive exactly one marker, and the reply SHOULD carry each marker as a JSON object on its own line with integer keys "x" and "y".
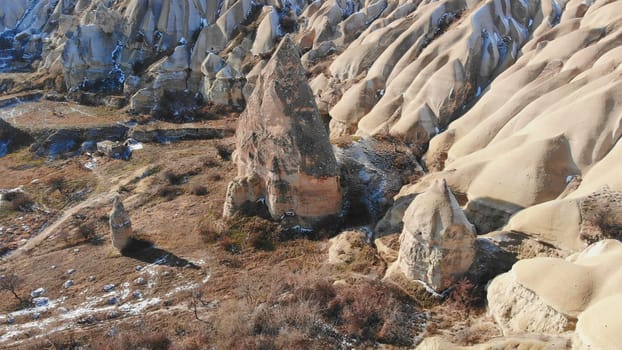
{"x": 120, "y": 225}
{"x": 552, "y": 296}
{"x": 437, "y": 243}
{"x": 283, "y": 155}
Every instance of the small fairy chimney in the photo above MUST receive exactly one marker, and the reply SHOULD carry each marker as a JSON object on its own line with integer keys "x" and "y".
{"x": 120, "y": 225}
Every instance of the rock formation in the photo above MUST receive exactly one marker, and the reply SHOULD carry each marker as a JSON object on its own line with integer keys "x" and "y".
{"x": 283, "y": 155}
{"x": 437, "y": 243}
{"x": 551, "y": 296}
{"x": 372, "y": 171}
{"x": 120, "y": 225}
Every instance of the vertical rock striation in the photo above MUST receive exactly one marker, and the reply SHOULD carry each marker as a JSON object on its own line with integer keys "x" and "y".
{"x": 283, "y": 154}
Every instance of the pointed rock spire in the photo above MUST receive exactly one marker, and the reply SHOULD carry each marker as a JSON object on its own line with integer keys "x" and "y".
{"x": 120, "y": 225}
{"x": 436, "y": 244}
{"x": 283, "y": 154}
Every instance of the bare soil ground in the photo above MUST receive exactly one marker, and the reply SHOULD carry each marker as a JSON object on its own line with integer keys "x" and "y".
{"x": 205, "y": 283}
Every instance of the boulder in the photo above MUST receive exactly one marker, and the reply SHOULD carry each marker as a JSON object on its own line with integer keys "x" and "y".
{"x": 373, "y": 171}
{"x": 283, "y": 154}
{"x": 437, "y": 242}
{"x": 344, "y": 248}
{"x": 120, "y": 225}
{"x": 114, "y": 149}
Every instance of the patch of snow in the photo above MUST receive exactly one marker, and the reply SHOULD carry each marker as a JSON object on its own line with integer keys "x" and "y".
{"x": 180, "y": 289}
{"x": 139, "y": 307}
{"x": 37, "y": 292}
{"x": 41, "y": 302}
{"x": 432, "y": 291}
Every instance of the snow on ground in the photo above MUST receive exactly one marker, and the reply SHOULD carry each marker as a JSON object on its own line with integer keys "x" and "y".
{"x": 54, "y": 315}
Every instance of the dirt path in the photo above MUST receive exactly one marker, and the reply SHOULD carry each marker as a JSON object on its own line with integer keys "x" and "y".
{"x": 102, "y": 198}
{"x": 48, "y": 231}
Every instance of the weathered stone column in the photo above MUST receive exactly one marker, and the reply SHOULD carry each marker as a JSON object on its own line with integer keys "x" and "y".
{"x": 120, "y": 225}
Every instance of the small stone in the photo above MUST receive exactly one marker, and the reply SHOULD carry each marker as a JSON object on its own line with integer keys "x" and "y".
{"x": 36, "y": 316}
{"x": 92, "y": 278}
{"x": 40, "y": 302}
{"x": 113, "y": 314}
{"x": 37, "y": 292}
{"x": 68, "y": 284}
{"x": 108, "y": 287}
{"x": 71, "y": 271}
{"x": 53, "y": 267}
{"x": 77, "y": 250}
{"x": 10, "y": 320}
{"x": 137, "y": 294}
{"x": 138, "y": 268}
{"x": 111, "y": 301}
{"x": 140, "y": 281}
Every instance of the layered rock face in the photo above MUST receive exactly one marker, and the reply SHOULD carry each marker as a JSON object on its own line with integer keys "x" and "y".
{"x": 437, "y": 243}
{"x": 551, "y": 296}
{"x": 120, "y": 225}
{"x": 283, "y": 154}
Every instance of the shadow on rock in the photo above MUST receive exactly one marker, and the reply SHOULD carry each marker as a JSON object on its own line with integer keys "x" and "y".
{"x": 147, "y": 252}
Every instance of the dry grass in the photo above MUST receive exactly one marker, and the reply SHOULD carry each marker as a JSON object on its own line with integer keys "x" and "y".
{"x": 306, "y": 311}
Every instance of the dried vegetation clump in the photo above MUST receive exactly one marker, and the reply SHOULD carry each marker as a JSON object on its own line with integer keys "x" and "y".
{"x": 300, "y": 311}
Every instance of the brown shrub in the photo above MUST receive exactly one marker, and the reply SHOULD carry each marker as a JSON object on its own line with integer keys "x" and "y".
{"x": 12, "y": 283}
{"x": 224, "y": 151}
{"x": 88, "y": 233}
{"x": 300, "y": 311}
{"x": 215, "y": 177}
{"x": 230, "y": 245}
{"x": 19, "y": 201}
{"x": 175, "y": 179}
{"x": 132, "y": 341}
{"x": 199, "y": 190}
{"x": 461, "y": 299}
{"x": 56, "y": 183}
{"x": 211, "y": 163}
{"x": 170, "y": 192}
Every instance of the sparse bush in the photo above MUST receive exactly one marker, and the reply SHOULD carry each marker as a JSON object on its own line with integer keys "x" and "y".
{"x": 19, "y": 201}
{"x": 212, "y": 228}
{"x": 57, "y": 183}
{"x": 461, "y": 298}
{"x": 175, "y": 179}
{"x": 224, "y": 151}
{"x": 143, "y": 341}
{"x": 263, "y": 233}
{"x": 211, "y": 163}
{"x": 88, "y": 232}
{"x": 11, "y": 283}
{"x": 199, "y": 190}
{"x": 230, "y": 245}
{"x": 170, "y": 192}
{"x": 215, "y": 177}
{"x": 297, "y": 311}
